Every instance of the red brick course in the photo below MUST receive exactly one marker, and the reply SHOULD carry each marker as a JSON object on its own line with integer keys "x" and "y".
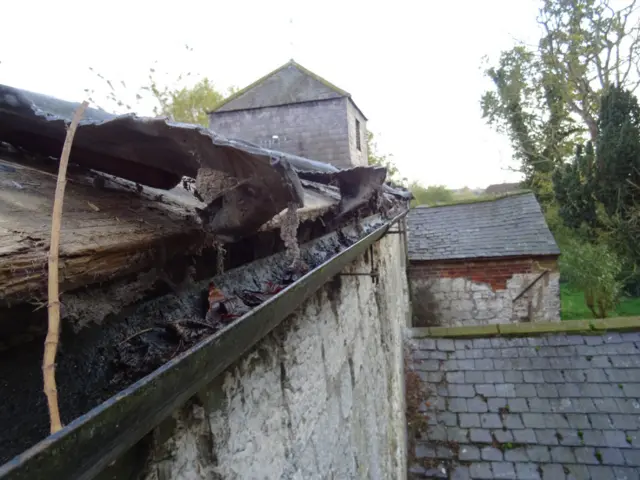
{"x": 494, "y": 272}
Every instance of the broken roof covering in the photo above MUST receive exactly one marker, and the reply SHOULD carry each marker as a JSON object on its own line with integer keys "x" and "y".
{"x": 158, "y": 152}
{"x": 508, "y": 226}
{"x": 288, "y": 84}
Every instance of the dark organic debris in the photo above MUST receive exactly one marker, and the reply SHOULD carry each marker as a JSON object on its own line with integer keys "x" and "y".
{"x": 144, "y": 351}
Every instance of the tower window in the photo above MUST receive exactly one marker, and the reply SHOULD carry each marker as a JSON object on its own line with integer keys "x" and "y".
{"x": 358, "y": 143}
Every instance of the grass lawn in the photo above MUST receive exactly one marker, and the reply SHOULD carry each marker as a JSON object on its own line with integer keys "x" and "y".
{"x": 574, "y": 308}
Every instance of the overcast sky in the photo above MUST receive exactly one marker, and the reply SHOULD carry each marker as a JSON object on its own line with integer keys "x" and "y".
{"x": 414, "y": 68}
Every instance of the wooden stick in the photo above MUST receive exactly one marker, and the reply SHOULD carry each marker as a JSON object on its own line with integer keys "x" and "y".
{"x": 53, "y": 334}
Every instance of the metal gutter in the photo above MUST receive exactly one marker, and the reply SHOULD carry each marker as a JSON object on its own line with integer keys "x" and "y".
{"x": 91, "y": 442}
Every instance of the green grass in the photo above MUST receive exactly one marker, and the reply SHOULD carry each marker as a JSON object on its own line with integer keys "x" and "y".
{"x": 574, "y": 308}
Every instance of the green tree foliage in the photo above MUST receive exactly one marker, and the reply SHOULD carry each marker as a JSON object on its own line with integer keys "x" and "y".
{"x": 546, "y": 98}
{"x": 618, "y": 152}
{"x": 187, "y": 104}
{"x": 574, "y": 184}
{"x": 431, "y": 195}
{"x": 594, "y": 269}
{"x": 598, "y": 192}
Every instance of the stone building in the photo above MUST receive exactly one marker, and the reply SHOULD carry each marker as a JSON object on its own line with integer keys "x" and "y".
{"x": 296, "y": 111}
{"x": 486, "y": 262}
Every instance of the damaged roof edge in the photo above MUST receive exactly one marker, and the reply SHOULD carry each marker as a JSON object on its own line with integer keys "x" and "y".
{"x": 87, "y": 445}
{"x": 158, "y": 152}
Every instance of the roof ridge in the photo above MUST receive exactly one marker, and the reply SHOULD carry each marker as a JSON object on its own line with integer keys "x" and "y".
{"x": 292, "y": 63}
{"x": 488, "y": 199}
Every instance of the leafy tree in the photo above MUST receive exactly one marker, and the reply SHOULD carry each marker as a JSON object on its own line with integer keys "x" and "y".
{"x": 589, "y": 46}
{"x": 618, "y": 152}
{"x": 594, "y": 269}
{"x": 187, "y": 104}
{"x": 574, "y": 184}
{"x": 598, "y": 192}
{"x": 546, "y": 98}
{"x": 431, "y": 195}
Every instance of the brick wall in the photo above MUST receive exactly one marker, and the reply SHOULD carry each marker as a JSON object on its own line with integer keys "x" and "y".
{"x": 451, "y": 293}
{"x": 317, "y": 130}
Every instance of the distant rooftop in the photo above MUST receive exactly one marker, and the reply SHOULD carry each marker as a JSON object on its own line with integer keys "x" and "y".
{"x": 291, "y": 83}
{"x": 507, "y": 226}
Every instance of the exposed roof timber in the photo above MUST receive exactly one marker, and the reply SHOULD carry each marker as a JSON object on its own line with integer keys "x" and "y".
{"x": 83, "y": 448}
{"x": 158, "y": 153}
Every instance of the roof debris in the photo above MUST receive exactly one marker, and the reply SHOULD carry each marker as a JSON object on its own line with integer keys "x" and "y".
{"x": 153, "y": 160}
{"x": 131, "y": 206}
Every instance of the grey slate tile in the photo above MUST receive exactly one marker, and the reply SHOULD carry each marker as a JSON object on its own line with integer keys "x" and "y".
{"x": 491, "y": 454}
{"x": 538, "y": 454}
{"x": 578, "y": 472}
{"x": 513, "y": 421}
{"x": 615, "y": 438}
{"x": 632, "y": 457}
{"x": 512, "y": 225}
{"x": 486, "y": 389}
{"x": 552, "y": 471}
{"x": 562, "y": 455}
{"x": 527, "y": 471}
{"x": 460, "y": 472}
{"x": 445, "y": 345}
{"x": 585, "y": 455}
{"x": 468, "y": 420}
{"x": 474, "y": 377}
{"x": 600, "y": 471}
{"x": 490, "y": 420}
{"x": 458, "y": 435}
{"x": 493, "y": 377}
{"x": 626, "y": 473}
{"x": 503, "y": 470}
{"x": 513, "y": 376}
{"x": 469, "y": 453}
{"x": 481, "y": 470}
{"x": 503, "y": 436}
{"x": 611, "y": 456}
{"x": 477, "y": 405}
{"x": 547, "y": 437}
{"x": 479, "y": 435}
{"x": 526, "y": 436}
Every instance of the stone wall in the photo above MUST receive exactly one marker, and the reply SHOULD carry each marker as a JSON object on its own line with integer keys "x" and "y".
{"x": 482, "y": 292}
{"x": 358, "y": 157}
{"x": 316, "y": 130}
{"x": 320, "y": 397}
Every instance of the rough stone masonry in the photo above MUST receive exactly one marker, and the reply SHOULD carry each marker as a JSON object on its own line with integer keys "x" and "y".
{"x": 486, "y": 292}
{"x": 320, "y": 397}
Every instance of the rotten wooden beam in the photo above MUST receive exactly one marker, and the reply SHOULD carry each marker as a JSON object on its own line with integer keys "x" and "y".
{"x": 108, "y": 232}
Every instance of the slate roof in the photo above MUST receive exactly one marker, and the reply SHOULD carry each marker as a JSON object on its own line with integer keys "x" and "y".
{"x": 508, "y": 226}
{"x": 548, "y": 407}
{"x": 288, "y": 84}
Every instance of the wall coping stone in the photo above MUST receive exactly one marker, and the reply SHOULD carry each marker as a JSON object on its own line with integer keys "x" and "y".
{"x": 594, "y": 327}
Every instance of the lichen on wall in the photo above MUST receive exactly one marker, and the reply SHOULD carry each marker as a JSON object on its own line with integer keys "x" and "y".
{"x": 319, "y": 397}
{"x": 482, "y": 293}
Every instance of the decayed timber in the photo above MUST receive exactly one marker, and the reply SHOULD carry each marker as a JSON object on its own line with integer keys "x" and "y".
{"x": 107, "y": 231}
